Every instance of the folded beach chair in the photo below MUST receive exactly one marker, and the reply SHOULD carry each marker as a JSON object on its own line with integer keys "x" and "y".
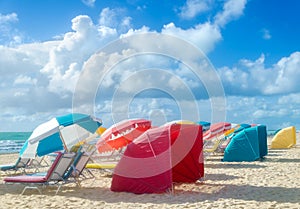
{"x": 54, "y": 176}
{"x": 20, "y": 164}
{"x": 76, "y": 170}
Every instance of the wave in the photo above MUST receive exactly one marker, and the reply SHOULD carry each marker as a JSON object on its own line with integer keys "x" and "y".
{"x": 11, "y": 146}
{"x": 12, "y": 142}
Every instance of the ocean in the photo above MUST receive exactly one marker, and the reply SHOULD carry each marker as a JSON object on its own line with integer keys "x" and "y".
{"x": 12, "y": 142}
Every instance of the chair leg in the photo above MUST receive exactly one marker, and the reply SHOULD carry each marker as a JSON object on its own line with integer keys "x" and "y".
{"x": 30, "y": 187}
{"x": 58, "y": 188}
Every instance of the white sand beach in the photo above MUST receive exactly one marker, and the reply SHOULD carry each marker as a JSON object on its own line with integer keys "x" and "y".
{"x": 271, "y": 183}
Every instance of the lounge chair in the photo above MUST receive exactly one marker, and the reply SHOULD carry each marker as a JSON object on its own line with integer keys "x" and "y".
{"x": 76, "y": 170}
{"x": 101, "y": 166}
{"x": 54, "y": 176}
{"x": 213, "y": 146}
{"x": 212, "y": 149}
{"x": 20, "y": 164}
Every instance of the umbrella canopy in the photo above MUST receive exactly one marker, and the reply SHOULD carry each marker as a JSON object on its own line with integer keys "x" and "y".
{"x": 121, "y": 134}
{"x": 59, "y": 133}
{"x": 179, "y": 122}
{"x": 216, "y": 129}
{"x": 100, "y": 130}
{"x": 205, "y": 125}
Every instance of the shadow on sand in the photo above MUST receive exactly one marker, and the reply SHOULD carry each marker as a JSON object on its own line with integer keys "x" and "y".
{"x": 194, "y": 192}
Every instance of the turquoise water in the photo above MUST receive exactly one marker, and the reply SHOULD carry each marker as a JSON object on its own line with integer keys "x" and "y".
{"x": 12, "y": 142}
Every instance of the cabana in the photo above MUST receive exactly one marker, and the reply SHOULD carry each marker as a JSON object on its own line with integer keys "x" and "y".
{"x": 249, "y": 144}
{"x": 159, "y": 157}
{"x": 285, "y": 138}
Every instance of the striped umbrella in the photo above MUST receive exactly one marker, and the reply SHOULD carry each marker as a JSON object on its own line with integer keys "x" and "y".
{"x": 60, "y": 133}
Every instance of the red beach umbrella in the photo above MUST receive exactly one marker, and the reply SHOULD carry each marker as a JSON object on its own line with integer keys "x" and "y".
{"x": 216, "y": 129}
{"x": 121, "y": 134}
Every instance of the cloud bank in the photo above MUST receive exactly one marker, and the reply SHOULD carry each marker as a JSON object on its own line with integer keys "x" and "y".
{"x": 38, "y": 80}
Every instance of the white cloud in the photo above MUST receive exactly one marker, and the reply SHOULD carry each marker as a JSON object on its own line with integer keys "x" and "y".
{"x": 107, "y": 17}
{"x": 9, "y": 35}
{"x": 252, "y": 78}
{"x": 25, "y": 60}
{"x": 192, "y": 8}
{"x": 66, "y": 60}
{"x": 4, "y": 19}
{"x": 270, "y": 113}
{"x": 130, "y": 68}
{"x": 22, "y": 79}
{"x": 266, "y": 34}
{"x": 21, "y": 92}
{"x": 126, "y": 22}
{"x": 48, "y": 72}
{"x": 89, "y": 3}
{"x": 159, "y": 110}
{"x": 293, "y": 99}
{"x": 204, "y": 36}
{"x": 115, "y": 18}
{"x": 132, "y": 31}
{"x": 288, "y": 75}
{"x": 262, "y": 110}
{"x": 232, "y": 10}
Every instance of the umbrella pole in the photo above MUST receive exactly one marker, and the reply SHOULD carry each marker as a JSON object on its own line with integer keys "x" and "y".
{"x": 63, "y": 141}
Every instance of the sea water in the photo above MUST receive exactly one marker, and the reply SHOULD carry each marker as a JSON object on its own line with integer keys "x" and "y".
{"x": 12, "y": 142}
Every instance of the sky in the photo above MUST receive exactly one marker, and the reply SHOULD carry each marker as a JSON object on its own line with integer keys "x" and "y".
{"x": 212, "y": 60}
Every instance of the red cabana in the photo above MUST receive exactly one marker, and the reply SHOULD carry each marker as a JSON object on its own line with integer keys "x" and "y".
{"x": 159, "y": 157}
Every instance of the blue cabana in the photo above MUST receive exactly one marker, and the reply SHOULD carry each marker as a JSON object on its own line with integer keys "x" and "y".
{"x": 262, "y": 140}
{"x": 244, "y": 146}
{"x": 241, "y": 127}
{"x": 248, "y": 144}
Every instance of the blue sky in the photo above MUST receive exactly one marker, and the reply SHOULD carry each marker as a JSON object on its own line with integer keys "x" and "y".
{"x": 49, "y": 51}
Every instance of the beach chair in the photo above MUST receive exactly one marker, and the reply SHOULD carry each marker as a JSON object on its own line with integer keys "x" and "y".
{"x": 81, "y": 168}
{"x": 213, "y": 149}
{"x": 20, "y": 164}
{"x": 40, "y": 162}
{"x": 54, "y": 176}
{"x": 223, "y": 145}
{"x": 76, "y": 170}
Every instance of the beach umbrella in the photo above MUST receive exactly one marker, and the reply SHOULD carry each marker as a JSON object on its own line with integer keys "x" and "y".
{"x": 179, "y": 122}
{"x": 205, "y": 125}
{"x": 121, "y": 134}
{"x": 60, "y": 133}
{"x": 216, "y": 129}
{"x": 100, "y": 130}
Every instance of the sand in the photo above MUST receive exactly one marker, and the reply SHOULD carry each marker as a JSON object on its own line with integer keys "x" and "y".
{"x": 271, "y": 183}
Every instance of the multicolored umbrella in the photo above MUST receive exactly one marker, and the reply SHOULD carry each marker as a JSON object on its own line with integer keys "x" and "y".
{"x": 60, "y": 133}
